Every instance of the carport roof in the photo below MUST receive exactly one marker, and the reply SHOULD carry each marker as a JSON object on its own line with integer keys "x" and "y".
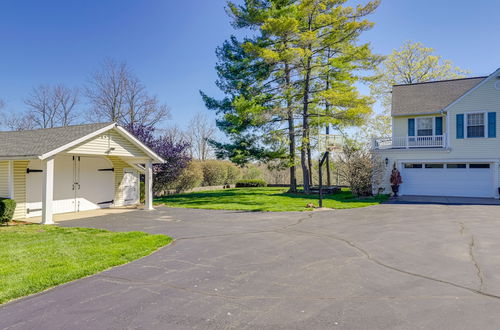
{"x": 42, "y": 143}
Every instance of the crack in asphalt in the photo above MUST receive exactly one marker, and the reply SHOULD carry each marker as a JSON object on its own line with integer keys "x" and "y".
{"x": 291, "y": 225}
{"x": 382, "y": 264}
{"x": 122, "y": 280}
{"x": 476, "y": 263}
{"x": 369, "y": 257}
{"x": 472, "y": 256}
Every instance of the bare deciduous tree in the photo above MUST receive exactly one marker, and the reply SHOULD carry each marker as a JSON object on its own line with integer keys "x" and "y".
{"x": 66, "y": 100}
{"x": 201, "y": 130}
{"x": 48, "y": 107}
{"x": 117, "y": 95}
{"x": 16, "y": 122}
{"x": 41, "y": 107}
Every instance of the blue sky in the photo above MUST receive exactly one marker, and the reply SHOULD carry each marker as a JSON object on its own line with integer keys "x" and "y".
{"x": 170, "y": 44}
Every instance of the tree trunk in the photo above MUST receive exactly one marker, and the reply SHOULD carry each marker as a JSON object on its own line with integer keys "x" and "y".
{"x": 291, "y": 135}
{"x": 306, "y": 144}
{"x": 328, "y": 176}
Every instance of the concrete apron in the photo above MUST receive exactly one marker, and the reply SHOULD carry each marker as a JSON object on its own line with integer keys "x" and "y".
{"x": 444, "y": 200}
{"x": 85, "y": 214}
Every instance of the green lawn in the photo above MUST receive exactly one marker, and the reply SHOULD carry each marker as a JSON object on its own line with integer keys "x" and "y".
{"x": 34, "y": 258}
{"x": 263, "y": 199}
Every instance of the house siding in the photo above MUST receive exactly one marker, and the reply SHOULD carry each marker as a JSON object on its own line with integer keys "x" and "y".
{"x": 110, "y": 143}
{"x": 4, "y": 179}
{"x": 400, "y": 125}
{"x": 485, "y": 98}
{"x": 20, "y": 188}
{"x": 119, "y": 165}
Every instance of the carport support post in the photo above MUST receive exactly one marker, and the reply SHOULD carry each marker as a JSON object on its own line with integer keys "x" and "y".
{"x": 47, "y": 191}
{"x": 149, "y": 185}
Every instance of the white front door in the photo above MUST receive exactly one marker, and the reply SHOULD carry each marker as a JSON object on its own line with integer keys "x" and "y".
{"x": 130, "y": 186}
{"x": 448, "y": 179}
{"x": 80, "y": 184}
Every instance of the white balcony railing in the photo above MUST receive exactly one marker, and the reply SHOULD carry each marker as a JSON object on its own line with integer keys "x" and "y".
{"x": 409, "y": 142}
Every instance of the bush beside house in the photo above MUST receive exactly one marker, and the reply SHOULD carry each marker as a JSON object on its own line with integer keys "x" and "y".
{"x": 7, "y": 208}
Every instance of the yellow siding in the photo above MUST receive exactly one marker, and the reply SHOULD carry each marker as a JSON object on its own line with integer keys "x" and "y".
{"x": 400, "y": 124}
{"x": 4, "y": 179}
{"x": 118, "y": 165}
{"x": 20, "y": 188}
{"x": 110, "y": 143}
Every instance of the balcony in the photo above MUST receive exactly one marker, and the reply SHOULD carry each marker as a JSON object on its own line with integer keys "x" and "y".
{"x": 409, "y": 142}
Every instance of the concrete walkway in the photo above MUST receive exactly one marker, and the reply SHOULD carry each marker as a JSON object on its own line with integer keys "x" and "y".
{"x": 384, "y": 267}
{"x": 444, "y": 200}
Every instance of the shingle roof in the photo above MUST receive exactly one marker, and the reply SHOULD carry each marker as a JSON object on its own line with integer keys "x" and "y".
{"x": 35, "y": 143}
{"x": 429, "y": 97}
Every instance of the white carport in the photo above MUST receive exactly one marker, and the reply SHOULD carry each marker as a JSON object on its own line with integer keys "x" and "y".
{"x": 73, "y": 169}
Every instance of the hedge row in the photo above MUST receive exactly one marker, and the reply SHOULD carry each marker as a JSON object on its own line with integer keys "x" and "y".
{"x": 250, "y": 183}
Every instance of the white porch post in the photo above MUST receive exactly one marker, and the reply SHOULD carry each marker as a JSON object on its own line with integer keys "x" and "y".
{"x": 149, "y": 185}
{"x": 47, "y": 191}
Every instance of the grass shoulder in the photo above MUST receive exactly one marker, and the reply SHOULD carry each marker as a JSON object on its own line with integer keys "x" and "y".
{"x": 34, "y": 258}
{"x": 264, "y": 199}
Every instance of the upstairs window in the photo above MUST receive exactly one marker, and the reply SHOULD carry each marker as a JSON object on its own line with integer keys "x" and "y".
{"x": 475, "y": 125}
{"x": 425, "y": 126}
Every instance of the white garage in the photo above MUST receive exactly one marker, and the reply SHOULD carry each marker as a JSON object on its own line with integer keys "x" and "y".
{"x": 458, "y": 179}
{"x": 74, "y": 168}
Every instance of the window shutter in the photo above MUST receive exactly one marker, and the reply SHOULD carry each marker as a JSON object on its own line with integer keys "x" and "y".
{"x": 492, "y": 124}
{"x": 439, "y": 125}
{"x": 411, "y": 127}
{"x": 460, "y": 126}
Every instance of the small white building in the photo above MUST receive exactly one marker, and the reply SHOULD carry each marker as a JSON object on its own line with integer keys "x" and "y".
{"x": 445, "y": 140}
{"x": 73, "y": 169}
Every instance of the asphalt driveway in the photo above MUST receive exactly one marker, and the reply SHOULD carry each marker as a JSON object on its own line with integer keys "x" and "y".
{"x": 382, "y": 267}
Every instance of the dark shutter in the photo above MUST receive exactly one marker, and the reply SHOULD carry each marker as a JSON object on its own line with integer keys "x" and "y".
{"x": 439, "y": 125}
{"x": 492, "y": 124}
{"x": 460, "y": 126}
{"x": 411, "y": 127}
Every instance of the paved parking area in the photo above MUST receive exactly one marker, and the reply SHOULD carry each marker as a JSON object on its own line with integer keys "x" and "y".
{"x": 391, "y": 266}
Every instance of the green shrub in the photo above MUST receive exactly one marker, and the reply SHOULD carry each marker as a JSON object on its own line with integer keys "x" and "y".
{"x": 214, "y": 172}
{"x": 252, "y": 172}
{"x": 250, "y": 183}
{"x": 7, "y": 208}
{"x": 233, "y": 173}
{"x": 191, "y": 177}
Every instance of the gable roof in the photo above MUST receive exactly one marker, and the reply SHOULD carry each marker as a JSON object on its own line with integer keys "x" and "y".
{"x": 429, "y": 97}
{"x": 44, "y": 143}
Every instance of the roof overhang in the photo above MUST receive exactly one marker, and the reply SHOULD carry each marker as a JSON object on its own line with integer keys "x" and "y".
{"x": 140, "y": 145}
{"x": 150, "y": 153}
{"x": 419, "y": 114}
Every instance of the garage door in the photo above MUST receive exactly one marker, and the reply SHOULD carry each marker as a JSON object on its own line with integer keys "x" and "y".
{"x": 80, "y": 184}
{"x": 448, "y": 179}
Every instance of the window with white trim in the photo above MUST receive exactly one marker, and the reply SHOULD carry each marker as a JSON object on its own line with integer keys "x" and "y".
{"x": 475, "y": 125}
{"x": 425, "y": 126}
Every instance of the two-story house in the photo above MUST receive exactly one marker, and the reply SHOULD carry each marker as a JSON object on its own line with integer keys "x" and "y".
{"x": 445, "y": 140}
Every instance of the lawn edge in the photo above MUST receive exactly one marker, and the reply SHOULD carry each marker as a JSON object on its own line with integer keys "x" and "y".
{"x": 15, "y": 300}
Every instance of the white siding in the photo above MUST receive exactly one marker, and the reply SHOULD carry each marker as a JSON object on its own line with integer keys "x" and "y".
{"x": 485, "y": 98}
{"x": 110, "y": 143}
{"x": 119, "y": 165}
{"x": 400, "y": 124}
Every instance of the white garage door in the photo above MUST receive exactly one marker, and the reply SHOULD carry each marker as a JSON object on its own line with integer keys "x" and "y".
{"x": 448, "y": 179}
{"x": 80, "y": 184}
